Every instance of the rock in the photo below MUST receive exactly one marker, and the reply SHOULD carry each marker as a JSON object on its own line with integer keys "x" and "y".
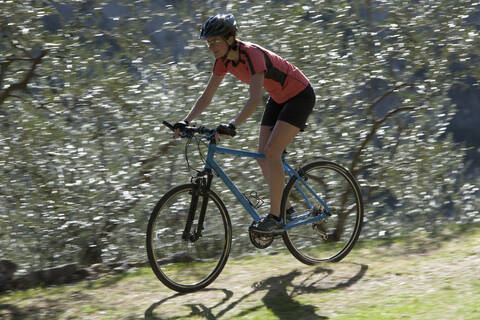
{"x": 63, "y": 274}
{"x": 100, "y": 268}
{"x": 60, "y": 274}
{"x": 80, "y": 275}
{"x": 120, "y": 269}
{"x": 179, "y": 257}
{"x": 29, "y": 280}
{"x": 91, "y": 255}
{"x": 7, "y": 270}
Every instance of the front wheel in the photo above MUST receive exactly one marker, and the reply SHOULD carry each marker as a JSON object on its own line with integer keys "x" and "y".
{"x": 335, "y": 194}
{"x": 187, "y": 263}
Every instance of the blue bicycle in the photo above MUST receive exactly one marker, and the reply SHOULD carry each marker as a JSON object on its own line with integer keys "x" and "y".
{"x": 189, "y": 232}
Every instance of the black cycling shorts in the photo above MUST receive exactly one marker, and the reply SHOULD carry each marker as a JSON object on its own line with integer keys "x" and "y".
{"x": 294, "y": 111}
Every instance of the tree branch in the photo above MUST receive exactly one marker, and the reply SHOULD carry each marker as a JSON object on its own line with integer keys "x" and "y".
{"x": 393, "y": 112}
{"x": 22, "y": 85}
{"x": 366, "y": 167}
{"x": 16, "y": 45}
{"x": 146, "y": 168}
{"x": 394, "y": 149}
{"x": 380, "y": 99}
{"x": 376, "y": 125}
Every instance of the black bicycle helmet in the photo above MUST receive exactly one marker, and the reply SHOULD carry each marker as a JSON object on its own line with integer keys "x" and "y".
{"x": 219, "y": 25}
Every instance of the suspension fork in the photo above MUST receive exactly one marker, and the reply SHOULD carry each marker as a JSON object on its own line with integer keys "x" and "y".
{"x": 202, "y": 186}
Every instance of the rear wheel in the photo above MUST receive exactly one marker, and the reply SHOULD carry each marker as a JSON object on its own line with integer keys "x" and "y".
{"x": 329, "y": 239}
{"x": 183, "y": 263}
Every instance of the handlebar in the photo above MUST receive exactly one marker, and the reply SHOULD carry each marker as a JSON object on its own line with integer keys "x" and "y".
{"x": 190, "y": 131}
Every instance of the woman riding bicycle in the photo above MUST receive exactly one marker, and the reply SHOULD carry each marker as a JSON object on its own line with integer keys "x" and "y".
{"x": 290, "y": 103}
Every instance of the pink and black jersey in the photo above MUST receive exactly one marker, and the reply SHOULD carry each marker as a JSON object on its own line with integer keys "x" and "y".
{"x": 283, "y": 80}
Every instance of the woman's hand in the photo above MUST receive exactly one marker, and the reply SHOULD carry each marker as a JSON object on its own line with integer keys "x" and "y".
{"x": 226, "y": 130}
{"x": 179, "y": 127}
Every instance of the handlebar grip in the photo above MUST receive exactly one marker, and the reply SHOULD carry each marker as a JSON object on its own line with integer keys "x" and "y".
{"x": 223, "y": 129}
{"x": 232, "y": 133}
{"x": 168, "y": 124}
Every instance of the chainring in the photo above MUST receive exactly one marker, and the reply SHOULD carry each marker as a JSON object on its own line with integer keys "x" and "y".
{"x": 260, "y": 241}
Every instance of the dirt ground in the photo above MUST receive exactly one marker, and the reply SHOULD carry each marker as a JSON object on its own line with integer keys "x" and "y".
{"x": 422, "y": 279}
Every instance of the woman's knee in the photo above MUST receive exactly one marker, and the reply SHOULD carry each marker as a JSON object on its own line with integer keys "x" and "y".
{"x": 262, "y": 163}
{"x": 271, "y": 154}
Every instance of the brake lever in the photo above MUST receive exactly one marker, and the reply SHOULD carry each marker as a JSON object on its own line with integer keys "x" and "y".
{"x": 187, "y": 133}
{"x": 168, "y": 124}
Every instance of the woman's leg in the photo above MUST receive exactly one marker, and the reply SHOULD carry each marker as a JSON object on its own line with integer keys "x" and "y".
{"x": 288, "y": 117}
{"x": 282, "y": 135}
{"x": 265, "y": 133}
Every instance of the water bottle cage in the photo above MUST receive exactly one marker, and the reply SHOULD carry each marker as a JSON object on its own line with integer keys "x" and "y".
{"x": 254, "y": 200}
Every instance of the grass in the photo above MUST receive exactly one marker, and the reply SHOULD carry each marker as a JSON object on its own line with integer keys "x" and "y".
{"x": 445, "y": 303}
{"x": 409, "y": 278}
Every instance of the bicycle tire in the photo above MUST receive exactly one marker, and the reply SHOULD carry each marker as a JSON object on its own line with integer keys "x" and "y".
{"x": 333, "y": 238}
{"x": 187, "y": 266}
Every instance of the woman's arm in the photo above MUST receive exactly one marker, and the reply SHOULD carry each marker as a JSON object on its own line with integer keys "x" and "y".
{"x": 256, "y": 86}
{"x": 206, "y": 97}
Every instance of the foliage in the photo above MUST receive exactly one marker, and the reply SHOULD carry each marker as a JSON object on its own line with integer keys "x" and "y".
{"x": 85, "y": 85}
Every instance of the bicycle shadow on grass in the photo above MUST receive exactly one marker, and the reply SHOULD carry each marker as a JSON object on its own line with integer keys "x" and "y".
{"x": 279, "y": 298}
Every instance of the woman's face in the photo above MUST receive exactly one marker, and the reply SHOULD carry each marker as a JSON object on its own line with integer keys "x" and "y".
{"x": 218, "y": 46}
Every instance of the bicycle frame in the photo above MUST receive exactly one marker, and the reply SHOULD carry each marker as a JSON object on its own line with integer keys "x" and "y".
{"x": 300, "y": 220}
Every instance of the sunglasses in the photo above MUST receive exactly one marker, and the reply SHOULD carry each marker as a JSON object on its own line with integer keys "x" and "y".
{"x": 212, "y": 43}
